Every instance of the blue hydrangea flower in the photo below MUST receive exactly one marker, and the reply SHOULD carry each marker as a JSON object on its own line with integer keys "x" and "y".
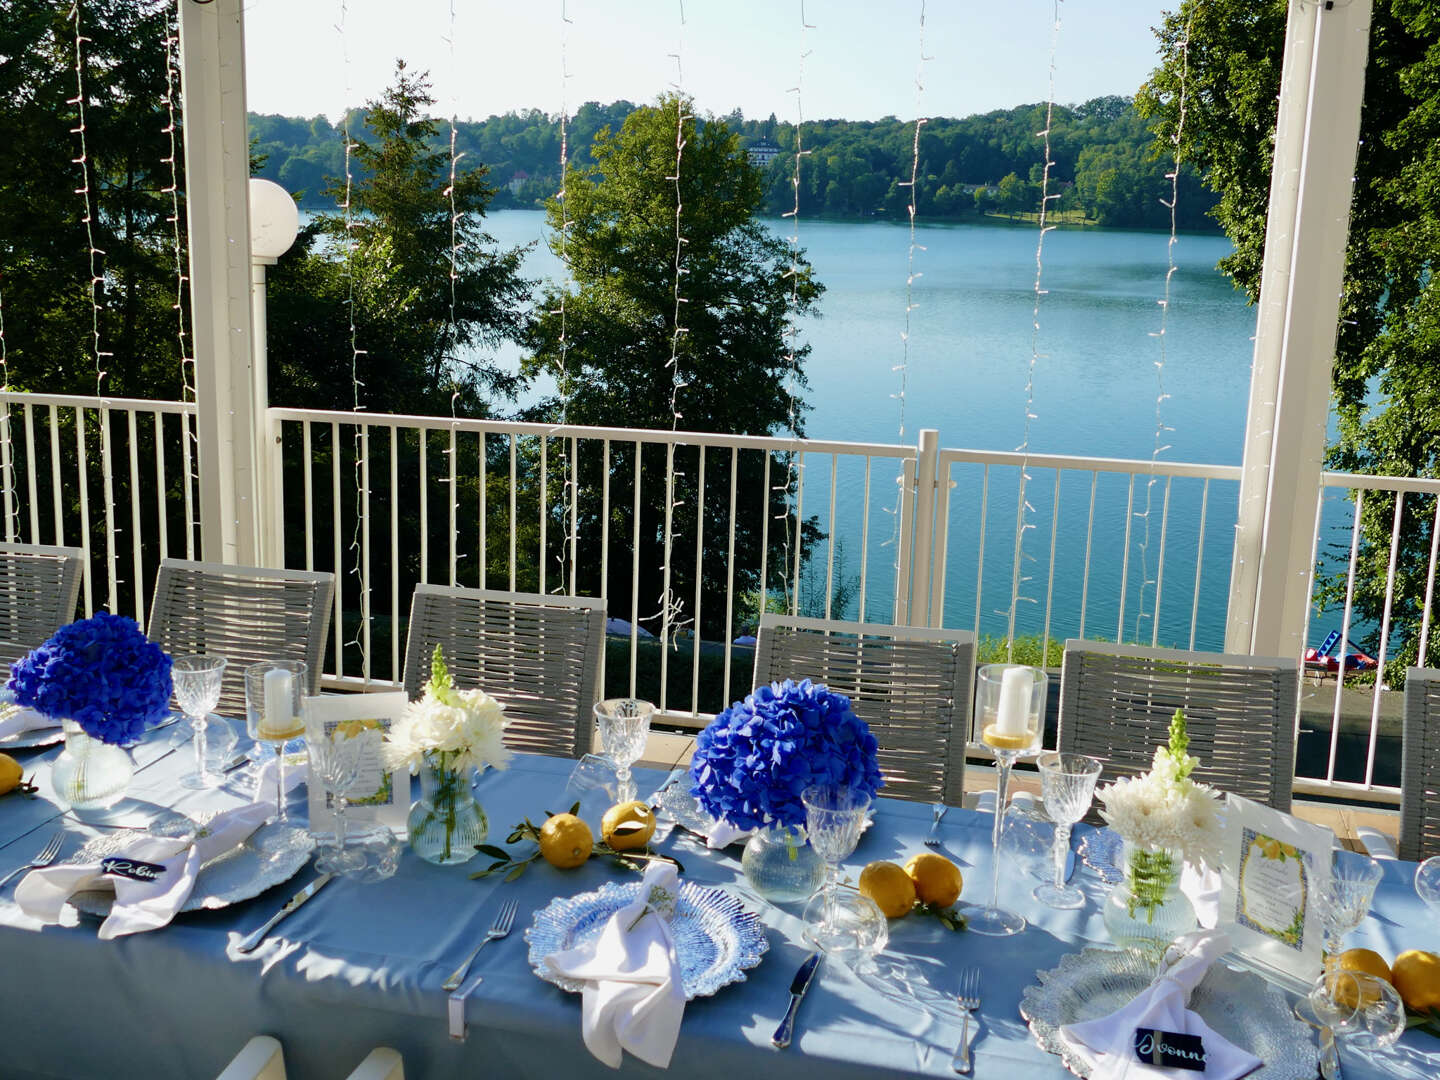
{"x": 100, "y": 672}
{"x": 753, "y": 761}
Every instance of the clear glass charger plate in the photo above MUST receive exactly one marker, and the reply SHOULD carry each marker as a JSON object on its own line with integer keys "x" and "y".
{"x": 26, "y": 740}
{"x": 1239, "y": 1005}
{"x": 272, "y": 854}
{"x": 716, "y": 939}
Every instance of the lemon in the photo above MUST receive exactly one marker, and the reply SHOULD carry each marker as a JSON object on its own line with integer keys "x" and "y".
{"x": 565, "y": 841}
{"x": 937, "y": 879}
{"x": 1416, "y": 975}
{"x": 10, "y": 774}
{"x": 991, "y": 737}
{"x": 635, "y": 814}
{"x": 890, "y": 887}
{"x": 1363, "y": 961}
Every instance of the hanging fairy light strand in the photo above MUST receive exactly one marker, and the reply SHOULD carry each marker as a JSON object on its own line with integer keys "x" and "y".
{"x": 911, "y": 276}
{"x": 568, "y": 509}
{"x": 451, "y": 329}
{"x": 84, "y": 191}
{"x": 7, "y": 457}
{"x": 1023, "y": 509}
{"x": 793, "y": 476}
{"x": 1161, "y": 396}
{"x": 188, "y": 434}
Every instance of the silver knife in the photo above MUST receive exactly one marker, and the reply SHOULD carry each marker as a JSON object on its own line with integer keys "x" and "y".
{"x": 253, "y": 939}
{"x": 798, "y": 986}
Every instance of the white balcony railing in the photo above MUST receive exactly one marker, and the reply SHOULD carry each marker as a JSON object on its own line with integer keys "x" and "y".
{"x": 384, "y": 501}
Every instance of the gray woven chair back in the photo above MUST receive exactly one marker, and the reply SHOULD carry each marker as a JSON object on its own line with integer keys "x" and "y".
{"x": 911, "y": 685}
{"x": 1116, "y": 702}
{"x": 538, "y": 655}
{"x": 1420, "y": 766}
{"x": 246, "y": 614}
{"x": 39, "y": 588}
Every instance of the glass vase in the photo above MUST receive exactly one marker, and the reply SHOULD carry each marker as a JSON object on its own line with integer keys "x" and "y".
{"x": 446, "y": 822}
{"x": 781, "y": 866}
{"x": 90, "y": 774}
{"x": 1146, "y": 911}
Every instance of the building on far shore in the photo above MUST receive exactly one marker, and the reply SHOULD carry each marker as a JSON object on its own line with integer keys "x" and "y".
{"x": 762, "y": 151}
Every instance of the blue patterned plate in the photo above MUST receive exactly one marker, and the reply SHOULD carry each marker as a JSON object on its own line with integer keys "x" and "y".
{"x": 716, "y": 939}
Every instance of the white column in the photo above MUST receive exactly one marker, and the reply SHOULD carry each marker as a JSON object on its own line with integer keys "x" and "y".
{"x": 217, "y": 172}
{"x": 1316, "y": 134}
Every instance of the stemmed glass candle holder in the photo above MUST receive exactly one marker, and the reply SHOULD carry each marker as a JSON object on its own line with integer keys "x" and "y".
{"x": 198, "y": 681}
{"x": 834, "y": 817}
{"x": 1009, "y": 702}
{"x": 624, "y": 727}
{"x": 337, "y": 752}
{"x": 273, "y": 713}
{"x": 1067, "y": 784}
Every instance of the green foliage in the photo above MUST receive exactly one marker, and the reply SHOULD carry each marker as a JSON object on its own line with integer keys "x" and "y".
{"x": 996, "y": 650}
{"x": 1386, "y": 394}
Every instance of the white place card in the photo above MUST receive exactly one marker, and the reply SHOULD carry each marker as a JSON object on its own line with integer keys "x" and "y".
{"x": 1273, "y": 867}
{"x": 379, "y": 795}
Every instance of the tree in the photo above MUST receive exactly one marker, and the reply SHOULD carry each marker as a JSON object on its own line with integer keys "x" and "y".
{"x": 1390, "y": 312}
{"x": 733, "y": 371}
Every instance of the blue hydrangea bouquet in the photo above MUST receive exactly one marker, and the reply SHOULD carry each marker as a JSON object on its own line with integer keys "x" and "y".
{"x": 102, "y": 673}
{"x": 754, "y": 760}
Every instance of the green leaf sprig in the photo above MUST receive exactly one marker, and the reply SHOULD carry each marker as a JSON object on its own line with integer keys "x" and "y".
{"x": 1180, "y": 746}
{"x": 949, "y": 917}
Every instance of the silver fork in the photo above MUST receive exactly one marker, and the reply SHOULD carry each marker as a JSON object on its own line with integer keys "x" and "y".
{"x": 498, "y": 929}
{"x": 44, "y": 857}
{"x": 932, "y": 838}
{"x": 968, "y": 1000}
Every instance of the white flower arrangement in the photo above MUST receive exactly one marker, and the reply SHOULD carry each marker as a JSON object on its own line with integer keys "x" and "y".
{"x": 466, "y": 727}
{"x": 1164, "y": 808}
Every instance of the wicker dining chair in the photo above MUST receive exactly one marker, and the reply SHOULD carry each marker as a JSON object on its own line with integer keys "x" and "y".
{"x": 538, "y": 655}
{"x": 1116, "y": 703}
{"x": 246, "y": 614}
{"x": 39, "y": 588}
{"x": 913, "y": 686}
{"x": 1420, "y": 766}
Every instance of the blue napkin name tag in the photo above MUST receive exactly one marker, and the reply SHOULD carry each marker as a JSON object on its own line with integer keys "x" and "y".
{"x": 1169, "y": 1049}
{"x": 133, "y": 869}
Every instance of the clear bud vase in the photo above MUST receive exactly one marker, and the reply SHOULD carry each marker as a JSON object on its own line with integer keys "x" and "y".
{"x": 1146, "y": 911}
{"x": 446, "y": 822}
{"x": 90, "y": 774}
{"x": 781, "y": 866}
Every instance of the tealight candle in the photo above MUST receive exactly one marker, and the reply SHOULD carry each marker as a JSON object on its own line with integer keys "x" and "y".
{"x": 279, "y": 716}
{"x": 1012, "y": 717}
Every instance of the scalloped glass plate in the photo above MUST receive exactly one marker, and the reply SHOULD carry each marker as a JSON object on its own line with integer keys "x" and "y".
{"x": 1102, "y": 851}
{"x": 25, "y": 740}
{"x": 716, "y": 939}
{"x": 272, "y": 854}
{"x": 1239, "y": 1005}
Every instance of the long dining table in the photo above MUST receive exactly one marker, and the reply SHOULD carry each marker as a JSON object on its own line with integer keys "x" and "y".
{"x": 361, "y": 965}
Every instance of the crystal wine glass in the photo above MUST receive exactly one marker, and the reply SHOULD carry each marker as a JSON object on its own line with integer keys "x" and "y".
{"x": 1344, "y": 901}
{"x": 1067, "y": 784}
{"x": 1009, "y": 701}
{"x": 1364, "y": 1009}
{"x": 337, "y": 754}
{"x": 198, "y": 682}
{"x": 1427, "y": 882}
{"x": 272, "y": 712}
{"x": 624, "y": 726}
{"x": 834, "y": 817}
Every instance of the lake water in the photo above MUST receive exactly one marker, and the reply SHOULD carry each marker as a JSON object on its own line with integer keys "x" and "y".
{"x": 1094, "y": 394}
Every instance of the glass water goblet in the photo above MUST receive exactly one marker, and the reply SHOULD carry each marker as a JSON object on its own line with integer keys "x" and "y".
{"x": 624, "y": 727}
{"x": 1342, "y": 903}
{"x": 1009, "y": 702}
{"x": 198, "y": 681}
{"x": 1067, "y": 784}
{"x": 337, "y": 755}
{"x": 273, "y": 690}
{"x": 1427, "y": 882}
{"x": 834, "y": 817}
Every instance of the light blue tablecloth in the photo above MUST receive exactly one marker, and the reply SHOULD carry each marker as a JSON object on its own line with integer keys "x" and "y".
{"x": 361, "y": 965}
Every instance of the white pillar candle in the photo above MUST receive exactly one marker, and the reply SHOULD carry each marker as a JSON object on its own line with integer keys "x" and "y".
{"x": 1013, "y": 715}
{"x": 279, "y": 705}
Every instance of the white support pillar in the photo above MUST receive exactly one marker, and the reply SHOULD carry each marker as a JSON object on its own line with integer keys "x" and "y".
{"x": 217, "y": 173}
{"x": 1317, "y": 131}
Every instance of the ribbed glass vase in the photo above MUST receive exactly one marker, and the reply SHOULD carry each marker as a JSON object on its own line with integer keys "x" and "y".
{"x": 1146, "y": 911}
{"x": 446, "y": 822}
{"x": 90, "y": 774}
{"x": 781, "y": 866}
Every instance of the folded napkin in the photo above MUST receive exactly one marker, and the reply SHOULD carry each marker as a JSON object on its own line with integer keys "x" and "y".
{"x": 633, "y": 998}
{"x": 152, "y": 876}
{"x": 1161, "y": 1006}
{"x": 722, "y": 834}
{"x": 295, "y": 774}
{"x": 17, "y": 719}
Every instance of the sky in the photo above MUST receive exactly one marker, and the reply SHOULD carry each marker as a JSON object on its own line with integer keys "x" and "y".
{"x": 860, "y": 57}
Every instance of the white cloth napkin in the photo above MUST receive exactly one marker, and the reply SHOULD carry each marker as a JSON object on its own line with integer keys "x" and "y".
{"x": 15, "y": 720}
{"x": 722, "y": 834}
{"x": 1162, "y": 1006}
{"x": 295, "y": 773}
{"x": 149, "y": 902}
{"x": 633, "y": 998}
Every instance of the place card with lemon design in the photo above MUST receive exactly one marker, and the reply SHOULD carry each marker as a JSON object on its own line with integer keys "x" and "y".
{"x": 376, "y": 797}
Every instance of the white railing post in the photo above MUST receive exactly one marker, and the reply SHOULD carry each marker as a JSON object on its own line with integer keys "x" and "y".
{"x": 927, "y": 453}
{"x": 1316, "y": 134}
{"x": 217, "y": 173}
